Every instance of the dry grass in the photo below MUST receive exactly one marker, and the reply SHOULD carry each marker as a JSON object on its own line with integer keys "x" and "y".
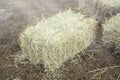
{"x": 104, "y": 69}
{"x": 56, "y": 39}
{"x": 97, "y": 73}
{"x": 111, "y": 3}
{"x": 99, "y": 8}
{"x": 100, "y": 61}
{"x": 112, "y": 30}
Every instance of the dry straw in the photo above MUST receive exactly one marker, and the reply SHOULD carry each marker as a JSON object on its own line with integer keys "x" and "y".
{"x": 112, "y": 29}
{"x": 56, "y": 39}
{"x": 98, "y": 8}
{"x": 111, "y": 3}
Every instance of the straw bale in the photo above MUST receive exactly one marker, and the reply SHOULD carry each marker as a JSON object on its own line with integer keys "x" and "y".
{"x": 112, "y": 29}
{"x": 54, "y": 40}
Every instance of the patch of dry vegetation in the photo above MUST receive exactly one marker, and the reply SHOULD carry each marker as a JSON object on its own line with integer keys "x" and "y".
{"x": 99, "y": 8}
{"x": 112, "y": 29}
{"x": 56, "y": 39}
{"x": 111, "y": 3}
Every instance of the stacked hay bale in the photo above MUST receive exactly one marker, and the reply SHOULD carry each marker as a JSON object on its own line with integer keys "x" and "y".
{"x": 56, "y": 39}
{"x": 112, "y": 30}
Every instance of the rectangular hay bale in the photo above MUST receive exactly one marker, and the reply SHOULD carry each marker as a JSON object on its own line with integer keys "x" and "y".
{"x": 56, "y": 39}
{"x": 112, "y": 29}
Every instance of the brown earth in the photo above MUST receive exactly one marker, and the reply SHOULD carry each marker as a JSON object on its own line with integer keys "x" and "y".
{"x": 98, "y": 62}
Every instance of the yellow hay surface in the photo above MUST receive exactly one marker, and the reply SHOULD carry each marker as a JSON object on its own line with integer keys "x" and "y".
{"x": 56, "y": 39}
{"x": 112, "y": 29}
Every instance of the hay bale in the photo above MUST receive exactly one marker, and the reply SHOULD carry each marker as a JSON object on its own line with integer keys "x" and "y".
{"x": 56, "y": 39}
{"x": 112, "y": 29}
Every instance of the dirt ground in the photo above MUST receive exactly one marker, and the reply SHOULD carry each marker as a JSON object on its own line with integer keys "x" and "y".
{"x": 98, "y": 62}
